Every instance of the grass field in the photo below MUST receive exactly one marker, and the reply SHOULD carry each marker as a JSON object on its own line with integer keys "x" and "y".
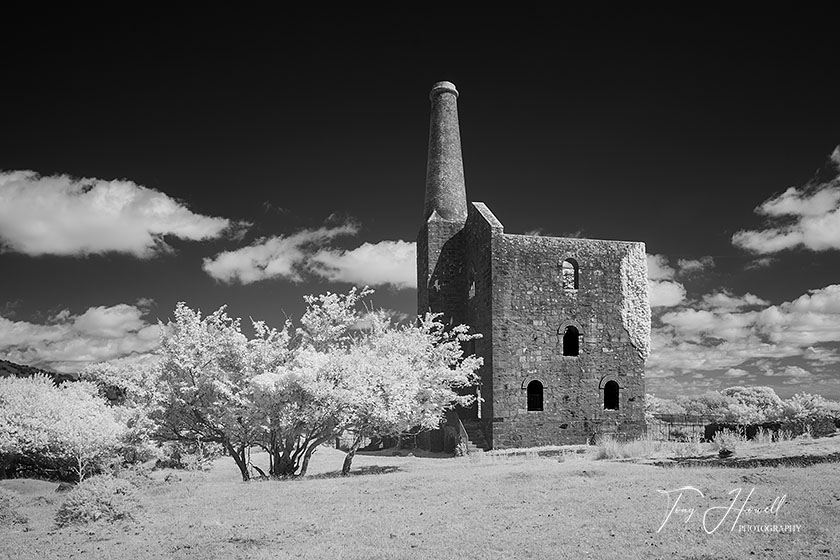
{"x": 482, "y": 507}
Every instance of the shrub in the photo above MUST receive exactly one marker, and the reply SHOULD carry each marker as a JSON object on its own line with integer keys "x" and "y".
{"x": 818, "y": 414}
{"x": 608, "y": 447}
{"x": 63, "y": 431}
{"x": 726, "y": 441}
{"x": 99, "y": 498}
{"x": 9, "y": 515}
{"x": 754, "y": 404}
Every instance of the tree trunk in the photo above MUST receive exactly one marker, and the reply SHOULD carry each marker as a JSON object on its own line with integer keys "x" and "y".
{"x": 239, "y": 457}
{"x": 348, "y": 459}
{"x": 312, "y": 448}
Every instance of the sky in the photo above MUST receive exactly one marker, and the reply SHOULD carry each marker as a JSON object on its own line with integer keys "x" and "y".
{"x": 248, "y": 159}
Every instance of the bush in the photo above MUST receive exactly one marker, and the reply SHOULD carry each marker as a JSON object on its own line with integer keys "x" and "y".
{"x": 726, "y": 441}
{"x": 818, "y": 414}
{"x": 65, "y": 431}
{"x": 608, "y": 447}
{"x": 99, "y": 498}
{"x": 9, "y": 515}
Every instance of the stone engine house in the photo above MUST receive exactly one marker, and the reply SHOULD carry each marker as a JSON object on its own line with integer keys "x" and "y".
{"x": 565, "y": 322}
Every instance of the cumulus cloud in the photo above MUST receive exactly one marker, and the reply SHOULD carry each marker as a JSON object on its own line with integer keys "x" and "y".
{"x": 60, "y": 215}
{"x": 761, "y": 262}
{"x": 735, "y": 372}
{"x": 663, "y": 291}
{"x": 375, "y": 264}
{"x": 718, "y": 325}
{"x": 276, "y": 257}
{"x": 821, "y": 356}
{"x": 727, "y": 300}
{"x": 658, "y": 268}
{"x": 665, "y": 294}
{"x": 806, "y": 217}
{"x": 733, "y": 330}
{"x": 67, "y": 342}
{"x": 309, "y": 253}
{"x": 691, "y": 266}
{"x": 795, "y": 375}
{"x": 809, "y": 319}
{"x": 109, "y": 322}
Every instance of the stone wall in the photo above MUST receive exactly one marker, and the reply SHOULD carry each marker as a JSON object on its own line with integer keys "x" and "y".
{"x": 531, "y": 309}
{"x": 441, "y": 282}
{"x": 481, "y": 227}
{"x": 510, "y": 289}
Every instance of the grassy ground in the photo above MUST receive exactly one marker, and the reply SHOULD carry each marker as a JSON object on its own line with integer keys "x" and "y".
{"x": 487, "y": 506}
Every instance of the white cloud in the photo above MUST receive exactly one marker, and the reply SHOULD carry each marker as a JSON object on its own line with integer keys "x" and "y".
{"x": 68, "y": 342}
{"x": 60, "y": 215}
{"x": 735, "y": 372}
{"x": 275, "y": 257}
{"x": 665, "y": 294}
{"x": 726, "y": 335}
{"x": 810, "y": 319}
{"x": 663, "y": 291}
{"x": 806, "y": 217}
{"x": 658, "y": 268}
{"x": 821, "y": 356}
{"x": 690, "y": 266}
{"x": 720, "y": 325}
{"x": 727, "y": 300}
{"x": 761, "y": 262}
{"x": 374, "y": 264}
{"x": 109, "y": 322}
{"x": 796, "y": 375}
{"x": 308, "y": 252}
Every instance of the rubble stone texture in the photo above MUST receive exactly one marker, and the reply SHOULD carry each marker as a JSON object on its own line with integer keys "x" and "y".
{"x": 514, "y": 291}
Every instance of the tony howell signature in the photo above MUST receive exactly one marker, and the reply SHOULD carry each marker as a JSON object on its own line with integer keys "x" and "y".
{"x": 720, "y": 514}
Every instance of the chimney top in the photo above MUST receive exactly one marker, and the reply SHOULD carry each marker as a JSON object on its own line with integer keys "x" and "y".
{"x": 441, "y": 87}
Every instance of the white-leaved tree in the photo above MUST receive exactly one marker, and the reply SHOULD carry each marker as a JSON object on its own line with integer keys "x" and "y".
{"x": 53, "y": 429}
{"x": 406, "y": 377}
{"x": 308, "y": 399}
{"x": 132, "y": 391}
{"x": 291, "y": 390}
{"x": 205, "y": 377}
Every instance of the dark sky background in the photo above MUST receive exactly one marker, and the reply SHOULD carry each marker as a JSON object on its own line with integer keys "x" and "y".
{"x": 636, "y": 126}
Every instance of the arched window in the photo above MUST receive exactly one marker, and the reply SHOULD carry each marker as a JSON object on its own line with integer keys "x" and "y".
{"x": 569, "y": 271}
{"x": 571, "y": 341}
{"x": 535, "y": 395}
{"x": 611, "y": 395}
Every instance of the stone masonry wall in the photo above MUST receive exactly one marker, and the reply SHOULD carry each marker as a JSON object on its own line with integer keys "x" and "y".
{"x": 441, "y": 282}
{"x": 478, "y": 233}
{"x": 530, "y": 310}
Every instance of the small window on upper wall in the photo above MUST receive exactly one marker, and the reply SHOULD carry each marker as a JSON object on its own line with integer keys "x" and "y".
{"x": 570, "y": 275}
{"x": 571, "y": 341}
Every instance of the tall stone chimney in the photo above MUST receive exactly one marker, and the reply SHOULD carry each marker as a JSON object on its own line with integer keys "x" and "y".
{"x": 445, "y": 191}
{"x": 441, "y": 278}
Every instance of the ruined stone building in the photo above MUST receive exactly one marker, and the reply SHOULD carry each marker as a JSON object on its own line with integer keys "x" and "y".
{"x": 565, "y": 322}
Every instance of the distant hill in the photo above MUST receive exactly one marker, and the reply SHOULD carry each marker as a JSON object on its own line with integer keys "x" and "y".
{"x": 11, "y": 369}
